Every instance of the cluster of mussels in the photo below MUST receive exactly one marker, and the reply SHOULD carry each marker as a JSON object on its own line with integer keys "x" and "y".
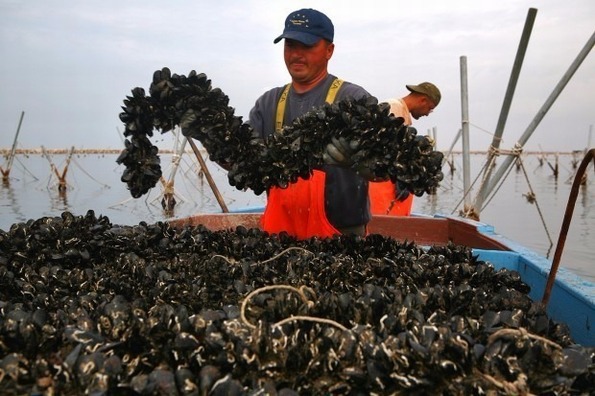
{"x": 387, "y": 147}
{"x": 88, "y": 307}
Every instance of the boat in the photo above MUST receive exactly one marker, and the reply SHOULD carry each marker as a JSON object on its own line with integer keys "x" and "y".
{"x": 572, "y": 299}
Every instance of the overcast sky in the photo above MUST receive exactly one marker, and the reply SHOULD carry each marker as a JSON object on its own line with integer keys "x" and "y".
{"x": 69, "y": 64}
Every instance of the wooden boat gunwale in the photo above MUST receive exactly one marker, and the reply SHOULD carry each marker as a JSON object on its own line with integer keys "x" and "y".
{"x": 424, "y": 230}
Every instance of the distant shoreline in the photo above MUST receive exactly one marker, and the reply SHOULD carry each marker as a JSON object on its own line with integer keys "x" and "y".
{"x": 39, "y": 151}
{"x": 6, "y": 151}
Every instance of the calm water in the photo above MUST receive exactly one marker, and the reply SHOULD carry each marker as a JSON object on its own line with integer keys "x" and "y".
{"x": 94, "y": 183}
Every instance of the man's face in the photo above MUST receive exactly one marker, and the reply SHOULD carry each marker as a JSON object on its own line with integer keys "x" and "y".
{"x": 423, "y": 107}
{"x": 306, "y": 63}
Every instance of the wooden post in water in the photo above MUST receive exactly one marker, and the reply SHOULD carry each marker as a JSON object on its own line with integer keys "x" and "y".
{"x": 6, "y": 173}
{"x": 61, "y": 176}
{"x": 168, "y": 202}
{"x": 210, "y": 180}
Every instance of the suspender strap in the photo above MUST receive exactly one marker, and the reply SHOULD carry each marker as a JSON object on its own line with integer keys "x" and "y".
{"x": 330, "y": 98}
{"x": 332, "y": 91}
{"x": 281, "y": 108}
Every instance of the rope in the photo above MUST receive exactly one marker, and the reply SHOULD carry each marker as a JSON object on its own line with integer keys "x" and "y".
{"x": 25, "y": 168}
{"x": 305, "y": 299}
{"x": 175, "y": 159}
{"x": 493, "y": 194}
{"x": 87, "y": 173}
{"x": 520, "y": 332}
{"x": 516, "y": 151}
{"x": 493, "y": 152}
{"x": 536, "y": 204}
{"x": 282, "y": 253}
{"x": 232, "y": 261}
{"x": 168, "y": 186}
{"x": 511, "y": 388}
{"x": 299, "y": 291}
{"x": 469, "y": 190}
{"x": 311, "y": 319}
{"x": 227, "y": 259}
{"x": 484, "y": 130}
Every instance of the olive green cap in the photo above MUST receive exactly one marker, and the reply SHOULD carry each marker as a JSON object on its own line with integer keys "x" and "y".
{"x": 427, "y": 88}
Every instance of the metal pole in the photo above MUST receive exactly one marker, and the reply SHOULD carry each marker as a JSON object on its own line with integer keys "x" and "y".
{"x": 544, "y": 109}
{"x": 176, "y": 157}
{"x": 208, "y": 175}
{"x": 465, "y": 128}
{"x": 590, "y": 156}
{"x": 52, "y": 166}
{"x": 456, "y": 139}
{"x": 14, "y": 144}
{"x": 168, "y": 201}
{"x": 514, "y": 76}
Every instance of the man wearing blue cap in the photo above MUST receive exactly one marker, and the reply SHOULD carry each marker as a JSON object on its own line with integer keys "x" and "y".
{"x": 334, "y": 200}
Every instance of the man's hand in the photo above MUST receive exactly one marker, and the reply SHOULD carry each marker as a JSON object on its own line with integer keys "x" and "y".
{"x": 339, "y": 152}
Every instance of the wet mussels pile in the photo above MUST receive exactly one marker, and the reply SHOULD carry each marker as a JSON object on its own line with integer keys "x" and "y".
{"x": 89, "y": 307}
{"x": 385, "y": 146}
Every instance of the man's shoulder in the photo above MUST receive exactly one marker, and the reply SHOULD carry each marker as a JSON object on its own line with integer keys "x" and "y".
{"x": 394, "y": 100}
{"x": 399, "y": 108}
{"x": 349, "y": 89}
{"x": 268, "y": 99}
{"x": 397, "y": 103}
{"x": 273, "y": 92}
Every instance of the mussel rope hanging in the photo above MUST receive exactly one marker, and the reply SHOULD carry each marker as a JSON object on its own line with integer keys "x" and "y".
{"x": 388, "y": 148}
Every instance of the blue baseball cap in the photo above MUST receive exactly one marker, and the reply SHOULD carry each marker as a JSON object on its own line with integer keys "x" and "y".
{"x": 307, "y": 26}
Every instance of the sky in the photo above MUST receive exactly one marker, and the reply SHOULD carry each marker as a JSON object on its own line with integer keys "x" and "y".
{"x": 68, "y": 65}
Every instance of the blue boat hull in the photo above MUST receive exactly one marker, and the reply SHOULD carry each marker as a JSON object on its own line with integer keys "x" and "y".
{"x": 572, "y": 299}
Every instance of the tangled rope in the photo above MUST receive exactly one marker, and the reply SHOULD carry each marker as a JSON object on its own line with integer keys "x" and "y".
{"x": 300, "y": 292}
{"x": 388, "y": 148}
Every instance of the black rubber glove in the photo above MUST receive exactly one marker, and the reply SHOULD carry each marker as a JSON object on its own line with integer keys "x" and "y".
{"x": 339, "y": 152}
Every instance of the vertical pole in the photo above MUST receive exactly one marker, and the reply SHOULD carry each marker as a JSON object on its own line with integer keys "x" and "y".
{"x": 14, "y": 145}
{"x": 168, "y": 201}
{"x": 178, "y": 152}
{"x": 544, "y": 109}
{"x": 514, "y": 76}
{"x": 465, "y": 129}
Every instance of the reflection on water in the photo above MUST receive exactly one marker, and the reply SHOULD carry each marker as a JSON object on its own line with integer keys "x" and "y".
{"x": 59, "y": 198}
{"x": 94, "y": 184}
{"x": 10, "y": 201}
